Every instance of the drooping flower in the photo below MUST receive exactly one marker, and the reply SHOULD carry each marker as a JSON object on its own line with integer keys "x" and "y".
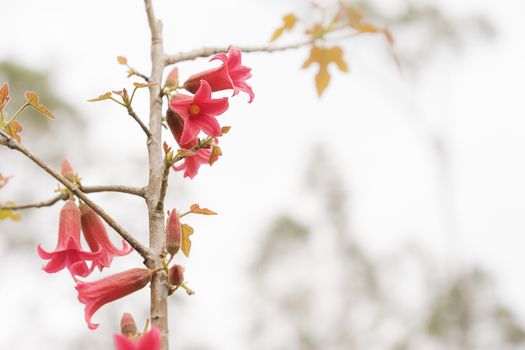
{"x": 230, "y": 75}
{"x": 68, "y": 252}
{"x": 191, "y": 164}
{"x": 97, "y": 238}
{"x": 199, "y": 112}
{"x": 98, "y": 293}
{"x": 149, "y": 341}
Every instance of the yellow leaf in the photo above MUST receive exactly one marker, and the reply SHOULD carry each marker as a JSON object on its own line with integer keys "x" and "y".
{"x": 143, "y": 85}
{"x": 13, "y": 129}
{"x": 288, "y": 23}
{"x": 122, "y": 60}
{"x": 323, "y": 57}
{"x": 187, "y": 231}
{"x": 32, "y": 99}
{"x": 4, "y": 96}
{"x": 106, "y": 96}
{"x": 368, "y": 28}
{"x": 196, "y": 209}
{"x": 9, "y": 214}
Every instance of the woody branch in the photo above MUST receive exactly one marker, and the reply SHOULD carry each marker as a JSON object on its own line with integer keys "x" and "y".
{"x": 9, "y": 142}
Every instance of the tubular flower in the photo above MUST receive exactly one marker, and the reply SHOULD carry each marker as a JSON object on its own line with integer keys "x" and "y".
{"x": 192, "y": 164}
{"x": 230, "y": 75}
{"x": 198, "y": 112}
{"x": 149, "y": 341}
{"x": 68, "y": 252}
{"x": 98, "y": 293}
{"x": 97, "y": 238}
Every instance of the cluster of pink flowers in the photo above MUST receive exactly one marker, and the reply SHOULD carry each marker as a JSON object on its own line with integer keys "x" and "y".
{"x": 190, "y": 115}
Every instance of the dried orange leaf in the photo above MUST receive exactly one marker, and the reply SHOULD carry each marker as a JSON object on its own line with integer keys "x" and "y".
{"x": 195, "y": 209}
{"x": 143, "y": 85}
{"x": 288, "y": 23}
{"x": 4, "y": 96}
{"x": 187, "y": 231}
{"x": 32, "y": 99}
{"x": 323, "y": 57}
{"x": 122, "y": 60}
{"x": 13, "y": 129}
{"x": 216, "y": 152}
{"x": 106, "y": 96}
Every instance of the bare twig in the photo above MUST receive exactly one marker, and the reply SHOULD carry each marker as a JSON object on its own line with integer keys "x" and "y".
{"x": 157, "y": 237}
{"x": 134, "y": 115}
{"x": 163, "y": 187}
{"x": 133, "y": 71}
{"x": 48, "y": 203}
{"x": 12, "y": 144}
{"x": 208, "y": 51}
{"x": 136, "y": 191}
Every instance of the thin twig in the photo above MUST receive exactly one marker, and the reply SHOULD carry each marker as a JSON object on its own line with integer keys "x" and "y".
{"x": 48, "y": 203}
{"x": 208, "y": 51}
{"x": 12, "y": 144}
{"x": 134, "y": 115}
{"x": 133, "y": 71}
{"x": 136, "y": 191}
{"x": 163, "y": 187}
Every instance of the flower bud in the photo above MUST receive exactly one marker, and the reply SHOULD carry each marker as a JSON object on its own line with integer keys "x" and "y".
{"x": 67, "y": 171}
{"x": 173, "y": 233}
{"x": 176, "y": 275}
{"x": 173, "y": 78}
{"x": 128, "y": 326}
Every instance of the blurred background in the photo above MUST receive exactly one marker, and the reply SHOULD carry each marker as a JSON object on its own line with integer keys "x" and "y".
{"x": 385, "y": 215}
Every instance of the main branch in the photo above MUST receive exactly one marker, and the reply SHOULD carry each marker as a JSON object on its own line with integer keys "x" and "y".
{"x": 159, "y": 283}
{"x": 12, "y": 144}
{"x": 208, "y": 51}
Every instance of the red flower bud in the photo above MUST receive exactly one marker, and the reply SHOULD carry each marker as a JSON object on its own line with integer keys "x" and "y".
{"x": 128, "y": 326}
{"x": 98, "y": 293}
{"x": 67, "y": 171}
{"x": 176, "y": 275}
{"x": 97, "y": 238}
{"x": 173, "y": 233}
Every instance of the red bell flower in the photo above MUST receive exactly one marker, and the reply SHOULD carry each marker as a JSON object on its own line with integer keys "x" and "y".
{"x": 199, "y": 112}
{"x": 98, "y": 293}
{"x": 68, "y": 252}
{"x": 230, "y": 75}
{"x": 97, "y": 238}
{"x": 149, "y": 341}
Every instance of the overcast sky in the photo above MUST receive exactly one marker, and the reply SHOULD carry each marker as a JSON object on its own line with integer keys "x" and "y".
{"x": 373, "y": 121}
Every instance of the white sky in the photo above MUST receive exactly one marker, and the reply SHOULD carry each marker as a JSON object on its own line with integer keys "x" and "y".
{"x": 366, "y": 119}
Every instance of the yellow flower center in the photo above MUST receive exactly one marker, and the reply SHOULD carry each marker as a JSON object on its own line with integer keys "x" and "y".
{"x": 194, "y": 109}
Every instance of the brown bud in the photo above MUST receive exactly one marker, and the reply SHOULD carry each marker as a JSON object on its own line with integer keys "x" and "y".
{"x": 176, "y": 275}
{"x": 173, "y": 233}
{"x": 128, "y": 327}
{"x": 173, "y": 78}
{"x": 175, "y": 123}
{"x": 67, "y": 171}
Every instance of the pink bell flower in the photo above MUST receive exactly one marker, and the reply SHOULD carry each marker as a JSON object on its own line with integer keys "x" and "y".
{"x": 199, "y": 112}
{"x": 98, "y": 293}
{"x": 149, "y": 341}
{"x": 97, "y": 238}
{"x": 230, "y": 75}
{"x": 68, "y": 252}
{"x": 191, "y": 164}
